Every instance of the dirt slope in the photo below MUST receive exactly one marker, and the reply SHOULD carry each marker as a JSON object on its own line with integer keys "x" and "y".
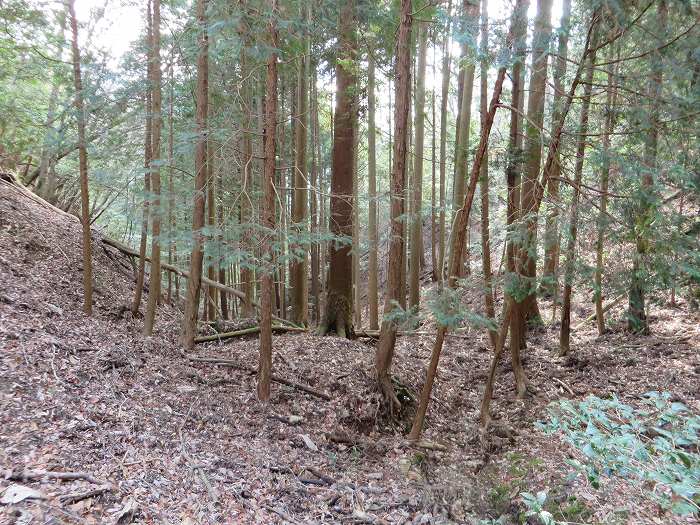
{"x": 185, "y": 442}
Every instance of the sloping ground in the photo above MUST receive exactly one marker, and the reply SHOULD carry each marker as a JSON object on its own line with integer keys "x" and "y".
{"x": 186, "y": 442}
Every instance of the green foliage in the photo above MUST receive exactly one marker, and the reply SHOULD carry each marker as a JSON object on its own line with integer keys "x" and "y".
{"x": 656, "y": 443}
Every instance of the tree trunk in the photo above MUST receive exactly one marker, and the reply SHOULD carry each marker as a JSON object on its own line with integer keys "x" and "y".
{"x": 484, "y": 176}
{"x": 267, "y": 215}
{"x": 471, "y": 25}
{"x": 189, "y": 322}
{"x": 147, "y": 147}
{"x": 387, "y": 338}
{"x": 82, "y": 152}
{"x": 172, "y": 245}
{"x": 444, "y": 95}
{"x": 156, "y": 124}
{"x": 610, "y": 104}
{"x": 565, "y": 331}
{"x": 316, "y": 200}
{"x": 636, "y": 314}
{"x": 417, "y": 183}
{"x": 513, "y": 179}
{"x": 550, "y": 271}
{"x": 299, "y": 266}
{"x": 339, "y": 301}
{"x": 373, "y": 287}
{"x": 533, "y": 152}
{"x": 211, "y": 298}
{"x": 461, "y": 225}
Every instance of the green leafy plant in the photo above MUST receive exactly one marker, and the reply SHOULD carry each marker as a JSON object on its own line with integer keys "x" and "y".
{"x": 656, "y": 443}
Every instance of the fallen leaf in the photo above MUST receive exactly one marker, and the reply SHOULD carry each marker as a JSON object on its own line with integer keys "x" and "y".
{"x": 16, "y": 493}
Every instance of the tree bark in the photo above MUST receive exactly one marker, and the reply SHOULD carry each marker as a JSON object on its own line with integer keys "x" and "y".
{"x": 387, "y": 338}
{"x": 82, "y": 152}
{"x": 373, "y": 286}
{"x": 565, "y": 329}
{"x": 189, "y": 322}
{"x": 636, "y": 313}
{"x": 300, "y": 264}
{"x": 156, "y": 125}
{"x": 461, "y": 225}
{"x": 417, "y": 183}
{"x": 484, "y": 177}
{"x": 267, "y": 214}
{"x": 471, "y": 24}
{"x": 316, "y": 201}
{"x": 550, "y": 271}
{"x": 533, "y": 153}
{"x": 339, "y": 299}
{"x": 147, "y": 146}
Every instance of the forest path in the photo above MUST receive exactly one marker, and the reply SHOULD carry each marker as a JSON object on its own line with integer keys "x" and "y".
{"x": 187, "y": 442}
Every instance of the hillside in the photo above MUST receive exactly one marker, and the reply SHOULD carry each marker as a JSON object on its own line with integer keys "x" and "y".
{"x": 163, "y": 439}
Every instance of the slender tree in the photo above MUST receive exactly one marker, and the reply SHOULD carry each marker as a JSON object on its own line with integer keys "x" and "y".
{"x": 550, "y": 273}
{"x": 194, "y": 285}
{"x": 387, "y": 337}
{"x": 373, "y": 286}
{"x": 157, "y": 122}
{"x": 565, "y": 329}
{"x": 83, "y": 165}
{"x": 484, "y": 175}
{"x": 147, "y": 146}
{"x": 300, "y": 264}
{"x": 267, "y": 213}
{"x": 417, "y": 182}
{"x": 533, "y": 150}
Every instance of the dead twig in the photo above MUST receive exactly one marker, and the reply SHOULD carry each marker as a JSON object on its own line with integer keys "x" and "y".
{"x": 69, "y": 499}
{"x": 28, "y": 475}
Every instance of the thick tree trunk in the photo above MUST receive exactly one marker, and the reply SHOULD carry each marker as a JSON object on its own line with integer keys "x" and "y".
{"x": 373, "y": 287}
{"x": 484, "y": 176}
{"x": 82, "y": 152}
{"x": 339, "y": 300}
{"x": 189, "y": 322}
{"x": 387, "y": 338}
{"x": 267, "y": 215}
{"x": 533, "y": 152}
{"x": 156, "y": 124}
{"x": 565, "y": 330}
{"x": 550, "y": 271}
{"x": 417, "y": 182}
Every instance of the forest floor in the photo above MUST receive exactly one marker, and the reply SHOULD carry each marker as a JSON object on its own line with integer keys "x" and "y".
{"x": 168, "y": 440}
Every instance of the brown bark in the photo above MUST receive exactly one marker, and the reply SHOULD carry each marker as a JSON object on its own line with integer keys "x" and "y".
{"x": 267, "y": 215}
{"x": 157, "y": 122}
{"x": 610, "y": 104}
{"x": 387, "y": 338}
{"x": 339, "y": 298}
{"x": 533, "y": 153}
{"x": 172, "y": 245}
{"x": 550, "y": 271}
{"x": 147, "y": 146}
{"x": 461, "y": 225}
{"x": 636, "y": 313}
{"x": 484, "y": 177}
{"x": 417, "y": 182}
{"x": 316, "y": 201}
{"x": 300, "y": 264}
{"x": 471, "y": 24}
{"x": 373, "y": 286}
{"x": 189, "y": 322}
{"x": 82, "y": 153}
{"x": 565, "y": 329}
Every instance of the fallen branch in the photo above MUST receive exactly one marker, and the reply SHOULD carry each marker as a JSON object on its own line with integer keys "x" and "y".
{"x": 276, "y": 379}
{"x": 27, "y": 475}
{"x": 564, "y": 386}
{"x": 69, "y": 499}
{"x": 374, "y": 334}
{"x": 605, "y": 309}
{"x": 428, "y": 445}
{"x": 245, "y": 331}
